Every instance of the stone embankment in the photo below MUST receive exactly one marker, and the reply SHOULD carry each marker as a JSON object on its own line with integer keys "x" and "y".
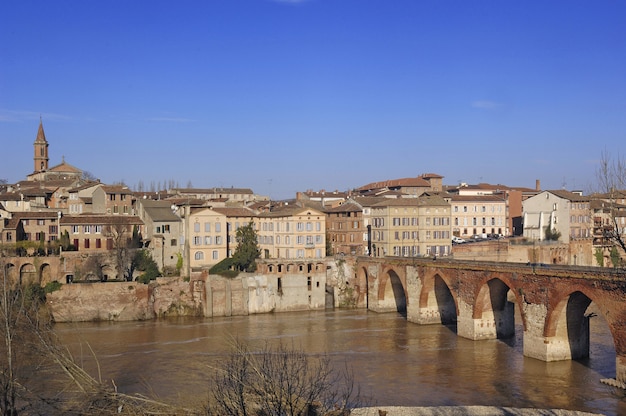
{"x": 464, "y": 411}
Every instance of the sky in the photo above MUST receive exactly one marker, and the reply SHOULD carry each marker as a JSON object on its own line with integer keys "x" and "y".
{"x": 281, "y": 96}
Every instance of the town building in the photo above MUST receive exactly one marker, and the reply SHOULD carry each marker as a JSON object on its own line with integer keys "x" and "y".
{"x": 162, "y": 233}
{"x": 345, "y": 229}
{"x": 478, "y": 214}
{"x": 411, "y": 227}
{"x": 292, "y": 232}
{"x": 560, "y": 211}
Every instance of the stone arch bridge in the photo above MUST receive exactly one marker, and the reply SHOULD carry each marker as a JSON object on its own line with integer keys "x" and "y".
{"x": 481, "y": 298}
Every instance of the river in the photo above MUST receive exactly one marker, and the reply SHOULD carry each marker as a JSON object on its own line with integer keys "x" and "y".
{"x": 395, "y": 362}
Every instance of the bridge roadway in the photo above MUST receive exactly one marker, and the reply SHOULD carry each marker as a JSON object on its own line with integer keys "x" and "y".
{"x": 481, "y": 298}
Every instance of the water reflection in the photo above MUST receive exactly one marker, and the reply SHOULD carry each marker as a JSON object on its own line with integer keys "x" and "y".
{"x": 394, "y": 361}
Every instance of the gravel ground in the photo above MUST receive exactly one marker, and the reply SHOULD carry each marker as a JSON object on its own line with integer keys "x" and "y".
{"x": 463, "y": 411}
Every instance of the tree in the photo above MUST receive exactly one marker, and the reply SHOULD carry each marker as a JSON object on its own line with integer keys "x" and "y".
{"x": 611, "y": 178}
{"x": 247, "y": 248}
{"x": 124, "y": 246}
{"x": 146, "y": 264}
{"x": 281, "y": 381}
{"x": 552, "y": 234}
{"x": 88, "y": 176}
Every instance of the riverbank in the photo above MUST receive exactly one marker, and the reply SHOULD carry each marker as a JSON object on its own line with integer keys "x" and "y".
{"x": 464, "y": 411}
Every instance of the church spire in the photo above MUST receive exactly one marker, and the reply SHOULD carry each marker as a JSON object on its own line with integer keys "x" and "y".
{"x": 41, "y": 150}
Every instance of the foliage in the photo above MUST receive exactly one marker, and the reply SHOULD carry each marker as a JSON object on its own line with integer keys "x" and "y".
{"x": 52, "y": 286}
{"x": 282, "y": 381}
{"x": 552, "y": 234}
{"x": 29, "y": 351}
{"x": 611, "y": 179}
{"x": 599, "y": 254}
{"x": 179, "y": 263}
{"x": 247, "y": 248}
{"x": 329, "y": 246}
{"x": 615, "y": 258}
{"x": 65, "y": 242}
{"x": 224, "y": 268}
{"x": 145, "y": 263}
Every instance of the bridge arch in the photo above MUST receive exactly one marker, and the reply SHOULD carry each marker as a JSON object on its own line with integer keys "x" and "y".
{"x": 568, "y": 325}
{"x": 437, "y": 303}
{"x": 494, "y": 309}
{"x": 392, "y": 291}
{"x": 362, "y": 287}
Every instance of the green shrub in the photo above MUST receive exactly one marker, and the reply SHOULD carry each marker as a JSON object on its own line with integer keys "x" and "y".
{"x": 52, "y": 286}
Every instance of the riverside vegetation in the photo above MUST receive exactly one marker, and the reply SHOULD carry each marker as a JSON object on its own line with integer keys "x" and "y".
{"x": 39, "y": 376}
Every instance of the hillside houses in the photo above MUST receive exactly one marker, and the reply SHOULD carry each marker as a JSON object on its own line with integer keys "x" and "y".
{"x": 191, "y": 229}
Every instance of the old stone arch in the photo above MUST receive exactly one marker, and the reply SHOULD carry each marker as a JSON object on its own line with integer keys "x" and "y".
{"x": 495, "y": 308}
{"x": 45, "y": 274}
{"x": 391, "y": 292}
{"x": 28, "y": 274}
{"x": 12, "y": 274}
{"x": 437, "y": 298}
{"x": 362, "y": 288}
{"x": 569, "y": 323}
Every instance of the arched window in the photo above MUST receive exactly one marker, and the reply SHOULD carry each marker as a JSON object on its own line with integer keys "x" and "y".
{"x": 199, "y": 255}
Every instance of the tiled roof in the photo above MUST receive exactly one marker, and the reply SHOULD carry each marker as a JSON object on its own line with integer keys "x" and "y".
{"x": 65, "y": 167}
{"x": 116, "y": 189}
{"x": 475, "y": 198}
{"x": 100, "y": 219}
{"x": 570, "y": 196}
{"x": 418, "y": 182}
{"x": 235, "y": 211}
{"x": 213, "y": 191}
{"x": 347, "y": 207}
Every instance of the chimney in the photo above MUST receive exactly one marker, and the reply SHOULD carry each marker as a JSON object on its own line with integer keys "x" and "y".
{"x": 537, "y": 185}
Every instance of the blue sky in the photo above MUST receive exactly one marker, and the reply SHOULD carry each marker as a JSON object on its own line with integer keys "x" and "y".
{"x": 284, "y": 96}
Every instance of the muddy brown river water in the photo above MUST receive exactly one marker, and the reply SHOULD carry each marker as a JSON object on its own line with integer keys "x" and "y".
{"x": 395, "y": 362}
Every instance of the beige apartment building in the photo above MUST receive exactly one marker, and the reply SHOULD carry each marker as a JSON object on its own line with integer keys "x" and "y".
{"x": 411, "y": 227}
{"x": 206, "y": 236}
{"x": 292, "y": 232}
{"x": 478, "y": 214}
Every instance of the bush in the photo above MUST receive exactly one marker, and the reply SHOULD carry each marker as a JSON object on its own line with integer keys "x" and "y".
{"x": 52, "y": 287}
{"x": 224, "y": 268}
{"x": 280, "y": 381}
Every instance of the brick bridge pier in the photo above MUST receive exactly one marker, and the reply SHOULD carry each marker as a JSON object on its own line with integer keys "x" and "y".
{"x": 481, "y": 297}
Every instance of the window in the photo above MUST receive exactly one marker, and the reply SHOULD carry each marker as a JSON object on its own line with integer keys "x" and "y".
{"x": 86, "y": 229}
{"x": 198, "y": 255}
{"x": 86, "y": 243}
{"x": 197, "y": 241}
{"x": 98, "y": 243}
{"x": 41, "y": 222}
{"x": 196, "y": 227}
{"x": 215, "y": 255}
{"x": 173, "y": 242}
{"x": 75, "y": 229}
{"x": 218, "y": 227}
{"x": 208, "y": 240}
{"x": 98, "y": 229}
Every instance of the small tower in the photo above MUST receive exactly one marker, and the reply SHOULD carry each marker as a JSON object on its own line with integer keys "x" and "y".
{"x": 41, "y": 150}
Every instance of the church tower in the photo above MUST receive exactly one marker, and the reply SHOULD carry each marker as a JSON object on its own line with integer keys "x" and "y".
{"x": 41, "y": 150}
